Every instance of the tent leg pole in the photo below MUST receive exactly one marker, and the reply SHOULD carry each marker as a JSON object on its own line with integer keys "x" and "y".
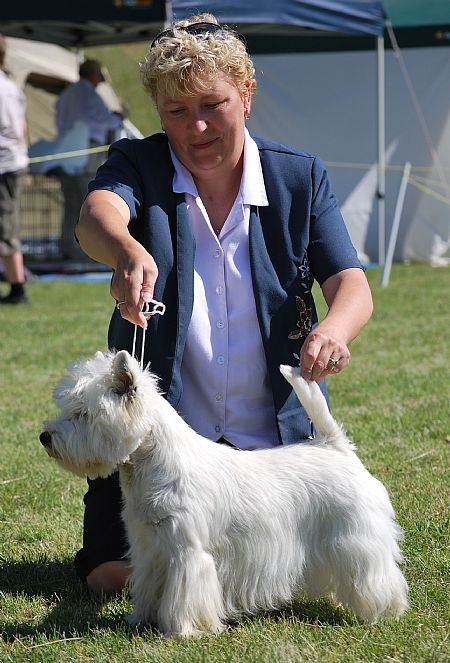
{"x": 169, "y": 14}
{"x": 395, "y": 225}
{"x": 381, "y": 150}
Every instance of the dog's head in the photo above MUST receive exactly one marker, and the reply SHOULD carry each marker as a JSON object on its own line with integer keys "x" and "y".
{"x": 104, "y": 414}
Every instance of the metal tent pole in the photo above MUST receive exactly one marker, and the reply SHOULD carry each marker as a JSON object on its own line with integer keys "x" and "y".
{"x": 169, "y": 13}
{"x": 395, "y": 225}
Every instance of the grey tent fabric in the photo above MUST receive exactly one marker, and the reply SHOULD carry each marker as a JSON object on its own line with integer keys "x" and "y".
{"x": 325, "y": 103}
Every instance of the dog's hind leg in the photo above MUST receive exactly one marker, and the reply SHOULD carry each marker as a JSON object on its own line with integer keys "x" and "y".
{"x": 367, "y": 579}
{"x": 191, "y": 600}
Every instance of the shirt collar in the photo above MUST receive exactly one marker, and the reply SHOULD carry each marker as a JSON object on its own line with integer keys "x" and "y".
{"x": 252, "y": 189}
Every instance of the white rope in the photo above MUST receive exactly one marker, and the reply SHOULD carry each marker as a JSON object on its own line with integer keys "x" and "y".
{"x": 331, "y": 164}
{"x": 158, "y": 309}
{"x": 60, "y": 155}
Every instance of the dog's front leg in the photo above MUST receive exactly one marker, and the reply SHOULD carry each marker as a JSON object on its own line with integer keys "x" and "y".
{"x": 192, "y": 600}
{"x": 146, "y": 585}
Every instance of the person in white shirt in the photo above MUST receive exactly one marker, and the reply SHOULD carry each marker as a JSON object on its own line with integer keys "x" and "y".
{"x": 229, "y": 231}
{"x": 13, "y": 163}
{"x": 81, "y": 104}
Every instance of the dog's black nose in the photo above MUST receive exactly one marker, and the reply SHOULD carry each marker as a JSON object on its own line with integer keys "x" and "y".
{"x": 45, "y": 439}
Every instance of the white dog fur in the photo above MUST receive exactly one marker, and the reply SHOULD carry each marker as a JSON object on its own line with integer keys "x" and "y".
{"x": 215, "y": 532}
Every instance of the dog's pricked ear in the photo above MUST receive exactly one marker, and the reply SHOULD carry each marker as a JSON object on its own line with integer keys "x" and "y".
{"x": 123, "y": 373}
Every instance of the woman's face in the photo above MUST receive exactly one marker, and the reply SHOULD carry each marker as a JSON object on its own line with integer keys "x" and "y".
{"x": 206, "y": 131}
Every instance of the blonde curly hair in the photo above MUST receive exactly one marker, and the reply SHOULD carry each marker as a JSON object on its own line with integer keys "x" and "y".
{"x": 182, "y": 63}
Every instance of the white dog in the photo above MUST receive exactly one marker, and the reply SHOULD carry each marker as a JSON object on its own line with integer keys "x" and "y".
{"x": 214, "y": 531}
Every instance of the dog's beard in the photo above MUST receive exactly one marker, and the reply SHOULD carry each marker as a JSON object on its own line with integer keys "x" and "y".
{"x": 88, "y": 448}
{"x": 75, "y": 448}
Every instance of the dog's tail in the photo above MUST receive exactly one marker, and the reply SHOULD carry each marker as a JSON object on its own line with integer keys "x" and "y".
{"x": 313, "y": 400}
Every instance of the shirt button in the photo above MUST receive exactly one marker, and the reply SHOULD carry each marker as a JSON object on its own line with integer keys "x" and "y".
{"x": 217, "y": 253}
{"x": 218, "y": 429}
{"x": 219, "y": 289}
{"x": 218, "y": 397}
{"x": 220, "y": 324}
{"x": 220, "y": 360}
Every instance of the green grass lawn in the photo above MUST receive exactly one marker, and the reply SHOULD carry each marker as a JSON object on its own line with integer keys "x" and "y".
{"x": 394, "y": 401}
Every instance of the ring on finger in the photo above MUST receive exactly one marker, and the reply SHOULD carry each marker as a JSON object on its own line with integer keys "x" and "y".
{"x": 332, "y": 363}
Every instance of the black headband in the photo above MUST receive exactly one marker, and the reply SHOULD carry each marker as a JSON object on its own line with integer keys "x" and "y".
{"x": 201, "y": 28}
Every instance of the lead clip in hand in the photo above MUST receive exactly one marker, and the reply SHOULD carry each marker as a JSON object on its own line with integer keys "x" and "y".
{"x": 153, "y": 307}
{"x": 149, "y": 309}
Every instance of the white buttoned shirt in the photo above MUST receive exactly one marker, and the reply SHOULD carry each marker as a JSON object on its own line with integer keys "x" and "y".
{"x": 13, "y": 148}
{"x": 81, "y": 102}
{"x": 224, "y": 371}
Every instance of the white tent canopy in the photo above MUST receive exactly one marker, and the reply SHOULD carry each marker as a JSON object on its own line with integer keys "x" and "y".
{"x": 325, "y": 103}
{"x": 25, "y": 57}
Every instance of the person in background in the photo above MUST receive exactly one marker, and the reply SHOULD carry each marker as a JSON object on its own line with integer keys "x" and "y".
{"x": 13, "y": 164}
{"x": 229, "y": 231}
{"x": 80, "y": 105}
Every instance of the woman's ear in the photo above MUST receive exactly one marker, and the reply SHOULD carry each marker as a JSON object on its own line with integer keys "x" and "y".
{"x": 247, "y": 99}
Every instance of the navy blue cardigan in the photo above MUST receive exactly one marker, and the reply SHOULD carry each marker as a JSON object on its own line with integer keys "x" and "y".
{"x": 299, "y": 237}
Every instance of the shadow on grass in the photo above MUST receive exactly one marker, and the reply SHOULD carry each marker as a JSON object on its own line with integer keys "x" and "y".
{"x": 314, "y": 613}
{"x": 318, "y": 612}
{"x": 72, "y": 608}
{"x": 74, "y": 611}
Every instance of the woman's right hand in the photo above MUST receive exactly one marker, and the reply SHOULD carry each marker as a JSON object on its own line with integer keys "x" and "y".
{"x": 133, "y": 281}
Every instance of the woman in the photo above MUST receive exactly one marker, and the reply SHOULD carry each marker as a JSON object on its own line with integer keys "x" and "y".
{"x": 229, "y": 232}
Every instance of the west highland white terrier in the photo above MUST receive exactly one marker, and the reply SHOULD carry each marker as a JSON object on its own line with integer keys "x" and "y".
{"x": 215, "y": 532}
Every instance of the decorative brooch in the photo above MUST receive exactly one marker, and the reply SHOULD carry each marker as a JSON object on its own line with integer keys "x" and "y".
{"x": 304, "y": 321}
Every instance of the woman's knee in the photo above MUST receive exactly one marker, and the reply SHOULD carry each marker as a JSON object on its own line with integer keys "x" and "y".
{"x": 109, "y": 577}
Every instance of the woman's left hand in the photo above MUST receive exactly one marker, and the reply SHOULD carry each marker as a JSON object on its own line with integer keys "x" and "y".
{"x": 322, "y": 354}
{"x": 349, "y": 300}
